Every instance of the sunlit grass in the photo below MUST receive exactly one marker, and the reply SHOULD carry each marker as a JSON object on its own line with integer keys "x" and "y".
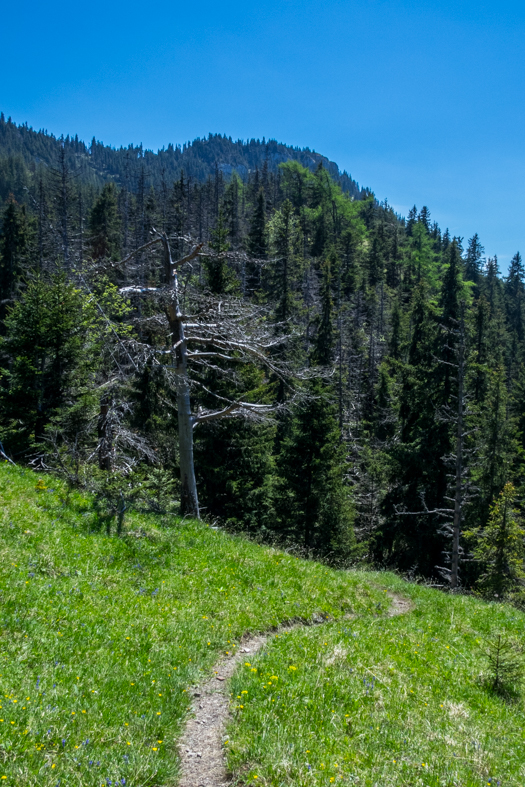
{"x": 101, "y": 637}
{"x": 382, "y": 701}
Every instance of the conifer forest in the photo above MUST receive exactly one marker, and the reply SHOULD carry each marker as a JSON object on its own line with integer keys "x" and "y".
{"x": 239, "y": 331}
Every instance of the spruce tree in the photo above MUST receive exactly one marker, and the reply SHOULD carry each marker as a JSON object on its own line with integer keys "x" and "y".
{"x": 14, "y": 240}
{"x": 313, "y": 503}
{"x": 495, "y": 443}
{"x": 52, "y": 351}
{"x": 515, "y": 296}
{"x": 104, "y": 225}
{"x": 409, "y": 535}
{"x": 474, "y": 259}
{"x": 411, "y": 220}
{"x": 257, "y": 240}
{"x": 499, "y": 546}
{"x": 219, "y": 277}
{"x": 282, "y": 281}
{"x": 325, "y": 338}
{"x": 257, "y": 243}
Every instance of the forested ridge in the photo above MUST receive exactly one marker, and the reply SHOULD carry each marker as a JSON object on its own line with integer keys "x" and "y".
{"x": 354, "y": 380}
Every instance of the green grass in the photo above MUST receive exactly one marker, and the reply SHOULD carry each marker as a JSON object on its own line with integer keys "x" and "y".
{"x": 101, "y": 637}
{"x": 375, "y": 701}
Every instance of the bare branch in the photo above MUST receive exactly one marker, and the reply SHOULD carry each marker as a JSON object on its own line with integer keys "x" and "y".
{"x": 141, "y": 248}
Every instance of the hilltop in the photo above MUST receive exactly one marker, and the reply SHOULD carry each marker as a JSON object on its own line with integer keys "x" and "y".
{"x": 25, "y": 151}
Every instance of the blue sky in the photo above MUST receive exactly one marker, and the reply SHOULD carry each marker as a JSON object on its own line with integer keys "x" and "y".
{"x": 421, "y": 101}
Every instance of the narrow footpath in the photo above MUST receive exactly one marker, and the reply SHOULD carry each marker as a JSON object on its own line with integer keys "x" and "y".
{"x": 201, "y": 750}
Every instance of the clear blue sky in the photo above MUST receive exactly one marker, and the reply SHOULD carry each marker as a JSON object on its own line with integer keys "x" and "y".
{"x": 421, "y": 101}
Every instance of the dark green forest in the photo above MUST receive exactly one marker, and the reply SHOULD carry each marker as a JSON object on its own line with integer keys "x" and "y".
{"x": 354, "y": 380}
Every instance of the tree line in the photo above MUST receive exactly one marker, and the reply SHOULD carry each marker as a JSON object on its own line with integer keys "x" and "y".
{"x": 336, "y": 377}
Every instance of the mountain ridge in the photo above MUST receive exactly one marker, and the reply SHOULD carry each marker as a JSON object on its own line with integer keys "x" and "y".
{"x": 24, "y": 148}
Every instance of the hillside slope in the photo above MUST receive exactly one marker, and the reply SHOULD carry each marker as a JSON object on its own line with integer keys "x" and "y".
{"x": 102, "y": 637}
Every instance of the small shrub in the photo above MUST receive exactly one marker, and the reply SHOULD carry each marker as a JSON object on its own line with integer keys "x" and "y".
{"x": 505, "y": 666}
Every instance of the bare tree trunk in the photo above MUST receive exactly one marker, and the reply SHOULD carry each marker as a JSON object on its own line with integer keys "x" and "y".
{"x": 189, "y": 501}
{"x": 105, "y": 436}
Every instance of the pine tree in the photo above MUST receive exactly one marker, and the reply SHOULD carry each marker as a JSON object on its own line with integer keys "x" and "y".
{"x": 257, "y": 243}
{"x": 515, "y": 296}
{"x": 495, "y": 443}
{"x": 282, "y": 282}
{"x": 474, "y": 259}
{"x": 499, "y": 546}
{"x": 13, "y": 246}
{"x": 219, "y": 277}
{"x": 312, "y": 501}
{"x": 424, "y": 217}
{"x": 231, "y": 203}
{"x": 325, "y": 337}
{"x": 52, "y": 353}
{"x": 411, "y": 220}
{"x": 104, "y": 225}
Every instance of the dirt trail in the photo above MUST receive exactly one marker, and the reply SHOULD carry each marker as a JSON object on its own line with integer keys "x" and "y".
{"x": 201, "y": 750}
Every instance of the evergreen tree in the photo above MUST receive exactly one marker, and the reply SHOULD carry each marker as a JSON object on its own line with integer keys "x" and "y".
{"x": 376, "y": 263}
{"x": 396, "y": 335}
{"x": 64, "y": 197}
{"x": 231, "y": 202}
{"x": 257, "y": 240}
{"x": 13, "y": 246}
{"x": 474, "y": 259}
{"x": 424, "y": 218}
{"x": 515, "y": 296}
{"x": 52, "y": 352}
{"x": 312, "y": 501}
{"x": 104, "y": 225}
{"x": 499, "y": 546}
{"x": 481, "y": 332}
{"x": 235, "y": 472}
{"x": 495, "y": 447}
{"x": 409, "y": 536}
{"x": 411, "y": 220}
{"x": 283, "y": 283}
{"x": 492, "y": 288}
{"x": 219, "y": 278}
{"x": 325, "y": 338}
{"x": 257, "y": 243}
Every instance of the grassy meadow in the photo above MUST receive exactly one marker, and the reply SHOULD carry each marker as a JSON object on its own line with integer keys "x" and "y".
{"x": 102, "y": 639}
{"x": 378, "y": 702}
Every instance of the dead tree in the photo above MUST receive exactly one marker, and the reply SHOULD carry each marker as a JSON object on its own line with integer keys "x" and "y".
{"x": 221, "y": 330}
